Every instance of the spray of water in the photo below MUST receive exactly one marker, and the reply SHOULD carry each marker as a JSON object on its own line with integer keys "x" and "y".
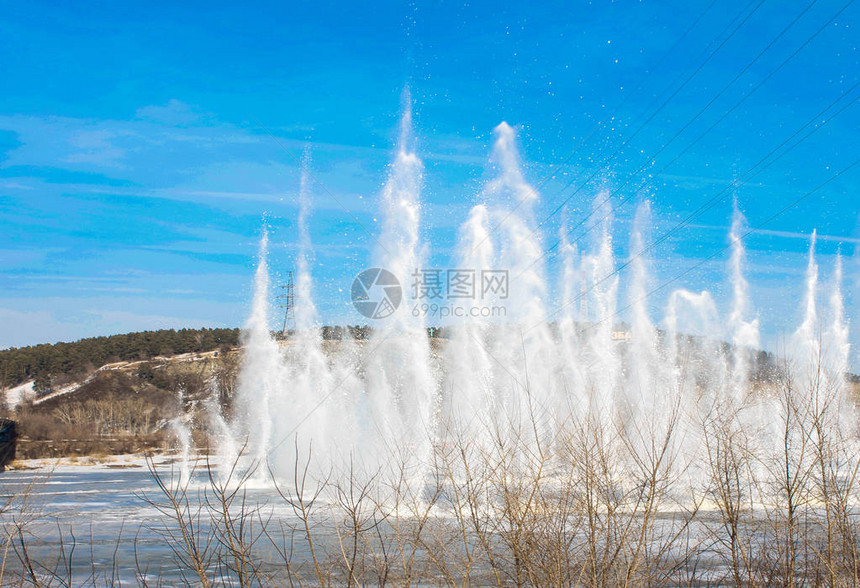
{"x": 226, "y": 450}
{"x": 570, "y": 370}
{"x": 602, "y": 351}
{"x": 263, "y": 373}
{"x": 401, "y": 385}
{"x": 648, "y": 388}
{"x": 744, "y": 332}
{"x": 470, "y": 403}
{"x": 182, "y": 432}
{"x": 368, "y": 405}
{"x": 806, "y": 342}
{"x": 305, "y": 431}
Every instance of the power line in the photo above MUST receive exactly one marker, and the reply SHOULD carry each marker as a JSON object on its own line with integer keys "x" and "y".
{"x": 748, "y": 175}
{"x": 691, "y": 144}
{"x": 660, "y": 109}
{"x": 629, "y": 95}
{"x": 721, "y": 250}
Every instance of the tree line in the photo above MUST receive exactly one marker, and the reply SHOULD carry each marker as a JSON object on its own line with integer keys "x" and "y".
{"x": 51, "y": 363}
{"x": 46, "y": 362}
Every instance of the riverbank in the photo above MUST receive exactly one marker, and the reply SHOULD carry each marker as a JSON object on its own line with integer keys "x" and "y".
{"x": 102, "y": 462}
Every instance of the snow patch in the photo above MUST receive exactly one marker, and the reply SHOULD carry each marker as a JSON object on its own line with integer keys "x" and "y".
{"x": 20, "y": 393}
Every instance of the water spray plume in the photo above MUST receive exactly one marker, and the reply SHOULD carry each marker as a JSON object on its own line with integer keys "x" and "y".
{"x": 388, "y": 403}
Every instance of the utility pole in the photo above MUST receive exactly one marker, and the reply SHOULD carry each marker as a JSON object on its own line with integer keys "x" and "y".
{"x": 289, "y": 302}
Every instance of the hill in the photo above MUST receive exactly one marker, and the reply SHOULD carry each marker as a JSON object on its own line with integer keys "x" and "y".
{"x": 128, "y": 406}
{"x": 123, "y": 393}
{"x": 54, "y": 365}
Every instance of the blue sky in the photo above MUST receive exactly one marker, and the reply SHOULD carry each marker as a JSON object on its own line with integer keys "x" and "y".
{"x": 134, "y": 174}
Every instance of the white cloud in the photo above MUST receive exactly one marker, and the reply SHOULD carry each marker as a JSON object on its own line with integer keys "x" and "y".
{"x": 175, "y": 112}
{"x": 785, "y": 234}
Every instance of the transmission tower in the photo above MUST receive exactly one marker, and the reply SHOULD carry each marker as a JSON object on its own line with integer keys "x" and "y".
{"x": 289, "y": 302}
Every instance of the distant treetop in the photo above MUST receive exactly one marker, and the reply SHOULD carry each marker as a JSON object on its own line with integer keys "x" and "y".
{"x": 44, "y": 362}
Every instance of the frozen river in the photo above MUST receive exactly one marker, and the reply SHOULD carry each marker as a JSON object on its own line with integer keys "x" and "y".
{"x": 93, "y": 524}
{"x": 98, "y": 525}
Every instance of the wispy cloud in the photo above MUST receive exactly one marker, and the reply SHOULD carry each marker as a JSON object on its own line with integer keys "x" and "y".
{"x": 785, "y": 234}
{"x": 174, "y": 113}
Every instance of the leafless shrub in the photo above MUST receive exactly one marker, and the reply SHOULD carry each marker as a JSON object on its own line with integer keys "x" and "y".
{"x": 588, "y": 501}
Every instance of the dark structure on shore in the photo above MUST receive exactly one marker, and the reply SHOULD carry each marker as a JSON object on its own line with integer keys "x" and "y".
{"x": 8, "y": 439}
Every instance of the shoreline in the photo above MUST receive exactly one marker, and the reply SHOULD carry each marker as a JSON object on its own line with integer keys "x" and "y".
{"x": 113, "y": 461}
